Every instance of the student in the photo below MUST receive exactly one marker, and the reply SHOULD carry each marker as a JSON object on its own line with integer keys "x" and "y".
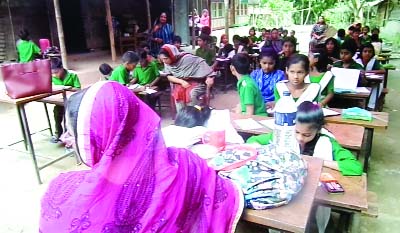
{"x": 316, "y": 141}
{"x": 267, "y": 76}
{"x": 356, "y": 37}
{"x": 292, "y": 36}
{"x": 146, "y": 73}
{"x": 177, "y": 41}
{"x": 297, "y": 68}
{"x": 276, "y": 42}
{"x": 62, "y": 77}
{"x": 252, "y": 36}
{"x": 288, "y": 49}
{"x": 347, "y": 51}
{"x": 319, "y": 74}
{"x": 285, "y": 33}
{"x": 331, "y": 50}
{"x": 106, "y": 70}
{"x": 365, "y": 37}
{"x": 204, "y": 51}
{"x": 121, "y": 73}
{"x": 376, "y": 31}
{"x": 371, "y": 65}
{"x": 146, "y": 47}
{"x": 251, "y": 100}
{"x": 27, "y": 50}
{"x": 341, "y": 36}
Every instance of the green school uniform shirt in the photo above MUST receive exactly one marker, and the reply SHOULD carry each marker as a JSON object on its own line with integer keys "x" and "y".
{"x": 348, "y": 164}
{"x": 27, "y": 50}
{"x": 353, "y": 65}
{"x": 70, "y": 79}
{"x": 120, "y": 74}
{"x": 147, "y": 74}
{"x": 328, "y": 89}
{"x": 206, "y": 54}
{"x": 250, "y": 95}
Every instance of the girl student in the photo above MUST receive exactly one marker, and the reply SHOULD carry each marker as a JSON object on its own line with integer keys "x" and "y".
{"x": 319, "y": 74}
{"x": 318, "y": 142}
{"x": 288, "y": 49}
{"x": 371, "y": 66}
{"x": 267, "y": 77}
{"x": 297, "y": 68}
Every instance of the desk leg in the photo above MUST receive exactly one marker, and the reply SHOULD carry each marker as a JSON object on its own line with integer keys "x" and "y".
{"x": 27, "y": 133}
{"x": 64, "y": 94}
{"x": 368, "y": 150}
{"x": 22, "y": 128}
{"x": 48, "y": 118}
{"x": 377, "y": 97}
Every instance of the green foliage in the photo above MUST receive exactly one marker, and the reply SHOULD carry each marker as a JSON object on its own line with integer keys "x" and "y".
{"x": 277, "y": 13}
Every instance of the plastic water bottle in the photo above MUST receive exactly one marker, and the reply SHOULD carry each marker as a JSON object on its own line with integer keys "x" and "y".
{"x": 285, "y": 120}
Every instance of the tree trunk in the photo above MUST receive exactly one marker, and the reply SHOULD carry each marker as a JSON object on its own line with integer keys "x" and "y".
{"x": 309, "y": 11}
{"x": 226, "y": 3}
{"x": 110, "y": 30}
{"x": 148, "y": 15}
{"x": 60, "y": 32}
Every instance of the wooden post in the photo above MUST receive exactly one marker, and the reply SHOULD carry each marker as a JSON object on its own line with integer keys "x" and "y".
{"x": 110, "y": 30}
{"x": 60, "y": 32}
{"x": 226, "y": 3}
{"x": 148, "y": 15}
{"x": 193, "y": 31}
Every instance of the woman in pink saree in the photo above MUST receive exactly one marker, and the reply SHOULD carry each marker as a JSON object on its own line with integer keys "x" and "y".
{"x": 134, "y": 183}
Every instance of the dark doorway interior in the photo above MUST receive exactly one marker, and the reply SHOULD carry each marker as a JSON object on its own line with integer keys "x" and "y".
{"x": 75, "y": 39}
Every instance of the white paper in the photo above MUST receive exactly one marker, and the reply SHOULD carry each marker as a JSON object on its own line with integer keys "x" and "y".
{"x": 345, "y": 79}
{"x": 150, "y": 91}
{"x": 134, "y": 86}
{"x": 270, "y": 123}
{"x": 222, "y": 59}
{"x": 182, "y": 137}
{"x": 248, "y": 124}
{"x": 328, "y": 112}
{"x": 362, "y": 90}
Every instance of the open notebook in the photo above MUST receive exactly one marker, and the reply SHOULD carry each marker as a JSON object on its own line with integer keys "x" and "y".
{"x": 346, "y": 80}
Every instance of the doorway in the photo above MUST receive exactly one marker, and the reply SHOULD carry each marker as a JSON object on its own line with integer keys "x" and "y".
{"x": 74, "y": 33}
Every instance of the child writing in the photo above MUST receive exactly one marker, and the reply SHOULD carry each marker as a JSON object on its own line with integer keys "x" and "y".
{"x": 318, "y": 142}
{"x": 146, "y": 73}
{"x": 319, "y": 74}
{"x": 27, "y": 50}
{"x": 371, "y": 65}
{"x": 121, "y": 74}
{"x": 63, "y": 77}
{"x": 251, "y": 100}
{"x": 267, "y": 76}
{"x": 297, "y": 68}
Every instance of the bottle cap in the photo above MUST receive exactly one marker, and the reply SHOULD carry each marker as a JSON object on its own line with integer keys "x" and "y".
{"x": 286, "y": 93}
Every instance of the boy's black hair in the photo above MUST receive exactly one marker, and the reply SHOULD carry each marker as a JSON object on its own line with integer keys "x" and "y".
{"x": 23, "y": 34}
{"x": 289, "y": 39}
{"x": 204, "y": 37}
{"x": 56, "y": 63}
{"x": 376, "y": 29}
{"x": 285, "y": 31}
{"x": 349, "y": 45}
{"x": 270, "y": 54}
{"x": 130, "y": 57}
{"x": 367, "y": 27}
{"x": 241, "y": 63}
{"x": 351, "y": 28}
{"x": 105, "y": 69}
{"x": 206, "y": 30}
{"x": 341, "y": 33}
{"x": 177, "y": 39}
{"x": 191, "y": 116}
{"x": 310, "y": 113}
{"x": 375, "y": 38}
{"x": 236, "y": 37}
{"x": 299, "y": 58}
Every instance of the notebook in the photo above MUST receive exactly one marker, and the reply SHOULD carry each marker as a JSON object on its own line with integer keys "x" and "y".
{"x": 346, "y": 80}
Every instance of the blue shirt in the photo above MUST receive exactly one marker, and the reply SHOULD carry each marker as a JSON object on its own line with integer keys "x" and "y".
{"x": 266, "y": 82}
{"x": 166, "y": 33}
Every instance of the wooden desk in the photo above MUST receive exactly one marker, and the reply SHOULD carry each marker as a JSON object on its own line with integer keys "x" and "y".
{"x": 363, "y": 97}
{"x": 349, "y": 136}
{"x": 125, "y": 43}
{"x": 294, "y": 216}
{"x": 20, "y": 104}
{"x": 355, "y": 193}
{"x": 380, "y": 121}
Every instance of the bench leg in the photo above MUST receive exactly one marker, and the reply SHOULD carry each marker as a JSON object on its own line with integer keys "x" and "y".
{"x": 48, "y": 119}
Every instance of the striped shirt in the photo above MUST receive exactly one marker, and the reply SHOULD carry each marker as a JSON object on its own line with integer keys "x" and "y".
{"x": 166, "y": 33}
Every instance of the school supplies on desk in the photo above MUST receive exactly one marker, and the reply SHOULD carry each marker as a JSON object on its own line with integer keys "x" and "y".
{"x": 330, "y": 184}
{"x": 346, "y": 80}
{"x": 328, "y": 112}
{"x": 248, "y": 124}
{"x": 356, "y": 114}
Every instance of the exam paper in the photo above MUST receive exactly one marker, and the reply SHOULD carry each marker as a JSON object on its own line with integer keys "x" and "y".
{"x": 345, "y": 79}
{"x": 248, "y": 124}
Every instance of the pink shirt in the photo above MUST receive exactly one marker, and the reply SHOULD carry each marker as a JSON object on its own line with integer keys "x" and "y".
{"x": 205, "y": 21}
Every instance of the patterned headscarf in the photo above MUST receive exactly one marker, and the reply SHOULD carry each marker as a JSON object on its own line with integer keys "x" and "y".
{"x": 135, "y": 183}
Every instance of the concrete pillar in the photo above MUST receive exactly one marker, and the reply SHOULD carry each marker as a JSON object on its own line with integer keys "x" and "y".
{"x": 180, "y": 11}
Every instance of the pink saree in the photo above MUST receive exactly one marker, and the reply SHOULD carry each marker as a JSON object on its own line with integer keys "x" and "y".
{"x": 135, "y": 183}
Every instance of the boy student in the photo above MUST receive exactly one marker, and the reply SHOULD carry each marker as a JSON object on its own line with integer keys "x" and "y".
{"x": 121, "y": 73}
{"x": 251, "y": 100}
{"x": 347, "y": 51}
{"x": 63, "y": 77}
{"x": 26, "y": 49}
{"x": 146, "y": 73}
{"x": 204, "y": 51}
